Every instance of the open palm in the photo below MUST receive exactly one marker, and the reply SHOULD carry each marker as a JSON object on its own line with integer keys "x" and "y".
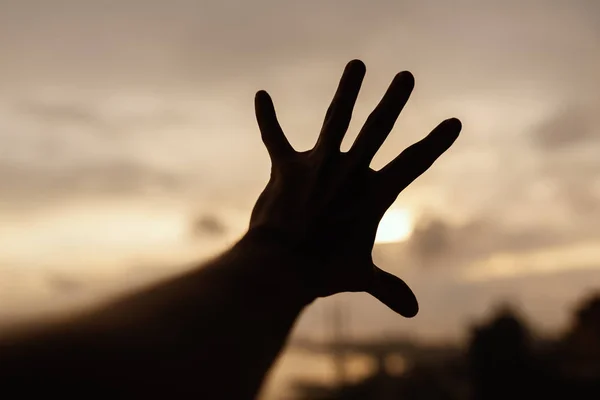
{"x": 325, "y": 204}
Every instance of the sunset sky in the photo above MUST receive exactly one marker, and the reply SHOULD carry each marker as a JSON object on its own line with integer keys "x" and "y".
{"x": 128, "y": 145}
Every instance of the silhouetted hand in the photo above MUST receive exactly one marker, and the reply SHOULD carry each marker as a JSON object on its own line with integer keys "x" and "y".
{"x": 324, "y": 205}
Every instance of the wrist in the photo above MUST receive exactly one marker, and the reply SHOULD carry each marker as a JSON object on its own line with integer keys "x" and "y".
{"x": 275, "y": 265}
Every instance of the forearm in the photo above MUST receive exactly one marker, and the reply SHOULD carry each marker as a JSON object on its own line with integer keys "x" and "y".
{"x": 227, "y": 321}
{"x": 257, "y": 304}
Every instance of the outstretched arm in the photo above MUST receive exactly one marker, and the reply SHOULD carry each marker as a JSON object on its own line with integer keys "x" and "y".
{"x": 215, "y": 332}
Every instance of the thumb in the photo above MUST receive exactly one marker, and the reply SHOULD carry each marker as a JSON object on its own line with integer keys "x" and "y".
{"x": 394, "y": 293}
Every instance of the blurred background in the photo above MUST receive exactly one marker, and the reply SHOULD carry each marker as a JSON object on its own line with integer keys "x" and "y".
{"x": 129, "y": 152}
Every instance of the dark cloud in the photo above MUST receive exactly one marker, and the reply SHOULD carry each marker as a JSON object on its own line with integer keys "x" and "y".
{"x": 209, "y": 225}
{"x": 64, "y": 284}
{"x": 571, "y": 126}
{"x": 439, "y": 242}
{"x": 431, "y": 239}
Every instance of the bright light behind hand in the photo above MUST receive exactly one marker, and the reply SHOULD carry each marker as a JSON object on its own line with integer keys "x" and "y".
{"x": 395, "y": 226}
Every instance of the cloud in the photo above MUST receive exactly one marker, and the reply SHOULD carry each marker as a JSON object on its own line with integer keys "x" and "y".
{"x": 208, "y": 225}
{"x": 437, "y": 242}
{"x": 157, "y": 95}
{"x": 108, "y": 177}
{"x": 568, "y": 172}
{"x": 570, "y": 126}
{"x": 431, "y": 239}
{"x": 182, "y": 42}
{"x": 123, "y": 114}
{"x": 64, "y": 284}
{"x": 118, "y": 176}
{"x": 219, "y": 54}
{"x": 59, "y": 113}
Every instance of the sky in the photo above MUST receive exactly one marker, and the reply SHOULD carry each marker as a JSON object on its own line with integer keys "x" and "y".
{"x": 129, "y": 149}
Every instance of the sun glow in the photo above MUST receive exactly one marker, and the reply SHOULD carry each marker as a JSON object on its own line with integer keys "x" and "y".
{"x": 395, "y": 226}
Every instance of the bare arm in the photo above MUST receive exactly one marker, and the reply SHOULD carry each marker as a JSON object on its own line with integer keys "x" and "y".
{"x": 212, "y": 333}
{"x": 215, "y": 332}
